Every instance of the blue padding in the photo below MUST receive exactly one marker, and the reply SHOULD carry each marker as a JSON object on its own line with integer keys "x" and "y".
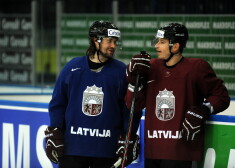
{"x": 23, "y": 104}
{"x": 222, "y": 118}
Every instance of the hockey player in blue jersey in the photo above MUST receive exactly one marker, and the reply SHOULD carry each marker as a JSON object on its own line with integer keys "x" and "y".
{"x": 87, "y": 110}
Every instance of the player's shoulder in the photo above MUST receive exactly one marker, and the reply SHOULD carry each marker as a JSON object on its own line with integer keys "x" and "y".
{"x": 115, "y": 67}
{"x": 117, "y": 63}
{"x": 194, "y": 60}
{"x": 76, "y": 62}
{"x": 156, "y": 61}
{"x": 196, "y": 64}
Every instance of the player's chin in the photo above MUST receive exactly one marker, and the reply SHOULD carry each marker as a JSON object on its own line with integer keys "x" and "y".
{"x": 110, "y": 56}
{"x": 110, "y": 53}
{"x": 160, "y": 56}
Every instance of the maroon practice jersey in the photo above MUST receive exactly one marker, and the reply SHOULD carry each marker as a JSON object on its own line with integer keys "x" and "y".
{"x": 169, "y": 93}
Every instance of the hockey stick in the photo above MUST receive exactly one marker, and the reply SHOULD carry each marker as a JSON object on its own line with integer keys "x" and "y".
{"x": 122, "y": 160}
{"x": 128, "y": 136}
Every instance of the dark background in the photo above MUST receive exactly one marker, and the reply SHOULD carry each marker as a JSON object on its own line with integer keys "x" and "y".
{"x": 47, "y": 9}
{"x": 126, "y": 6}
{"x": 46, "y": 12}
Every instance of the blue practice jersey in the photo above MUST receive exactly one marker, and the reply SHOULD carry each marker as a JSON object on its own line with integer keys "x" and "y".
{"x": 89, "y": 107}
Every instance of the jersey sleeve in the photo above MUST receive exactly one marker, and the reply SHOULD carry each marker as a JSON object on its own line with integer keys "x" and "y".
{"x": 140, "y": 98}
{"x": 213, "y": 88}
{"x": 59, "y": 100}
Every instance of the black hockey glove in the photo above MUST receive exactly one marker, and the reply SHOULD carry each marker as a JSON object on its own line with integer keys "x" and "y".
{"x": 54, "y": 144}
{"x": 194, "y": 121}
{"x": 132, "y": 150}
{"x": 138, "y": 64}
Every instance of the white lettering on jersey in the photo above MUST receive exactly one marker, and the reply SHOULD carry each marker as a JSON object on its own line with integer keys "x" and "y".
{"x": 164, "y": 134}
{"x": 90, "y": 132}
{"x": 194, "y": 114}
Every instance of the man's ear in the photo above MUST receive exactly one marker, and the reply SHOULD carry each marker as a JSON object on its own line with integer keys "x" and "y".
{"x": 94, "y": 40}
{"x": 96, "y": 43}
{"x": 176, "y": 47}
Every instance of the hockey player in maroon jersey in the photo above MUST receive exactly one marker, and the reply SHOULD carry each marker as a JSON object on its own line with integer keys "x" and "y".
{"x": 179, "y": 94}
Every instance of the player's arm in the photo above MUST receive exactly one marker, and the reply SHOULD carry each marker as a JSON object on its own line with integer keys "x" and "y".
{"x": 216, "y": 100}
{"x": 59, "y": 102}
{"x": 215, "y": 93}
{"x": 54, "y": 136}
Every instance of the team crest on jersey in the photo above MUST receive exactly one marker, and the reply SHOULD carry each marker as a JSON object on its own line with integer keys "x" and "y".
{"x": 165, "y": 105}
{"x": 92, "y": 101}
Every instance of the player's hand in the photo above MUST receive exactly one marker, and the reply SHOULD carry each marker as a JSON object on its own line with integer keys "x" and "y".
{"x": 54, "y": 144}
{"x": 132, "y": 150}
{"x": 194, "y": 122}
{"x": 138, "y": 64}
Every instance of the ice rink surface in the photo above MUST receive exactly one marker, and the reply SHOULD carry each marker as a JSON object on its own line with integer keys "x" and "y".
{"x": 26, "y": 93}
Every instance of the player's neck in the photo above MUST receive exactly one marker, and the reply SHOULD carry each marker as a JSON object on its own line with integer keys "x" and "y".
{"x": 98, "y": 59}
{"x": 174, "y": 60}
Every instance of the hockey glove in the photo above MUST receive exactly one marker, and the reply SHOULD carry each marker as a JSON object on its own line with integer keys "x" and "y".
{"x": 54, "y": 144}
{"x": 132, "y": 150}
{"x": 138, "y": 64}
{"x": 194, "y": 121}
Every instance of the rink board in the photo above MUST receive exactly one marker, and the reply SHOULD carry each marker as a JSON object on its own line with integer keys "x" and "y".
{"x": 22, "y": 126}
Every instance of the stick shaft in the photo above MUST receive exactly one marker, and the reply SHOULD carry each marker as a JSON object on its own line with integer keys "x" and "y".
{"x": 122, "y": 160}
{"x": 130, "y": 119}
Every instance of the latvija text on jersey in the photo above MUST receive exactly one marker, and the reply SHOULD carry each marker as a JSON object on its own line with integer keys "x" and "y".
{"x": 165, "y": 134}
{"x": 90, "y": 132}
